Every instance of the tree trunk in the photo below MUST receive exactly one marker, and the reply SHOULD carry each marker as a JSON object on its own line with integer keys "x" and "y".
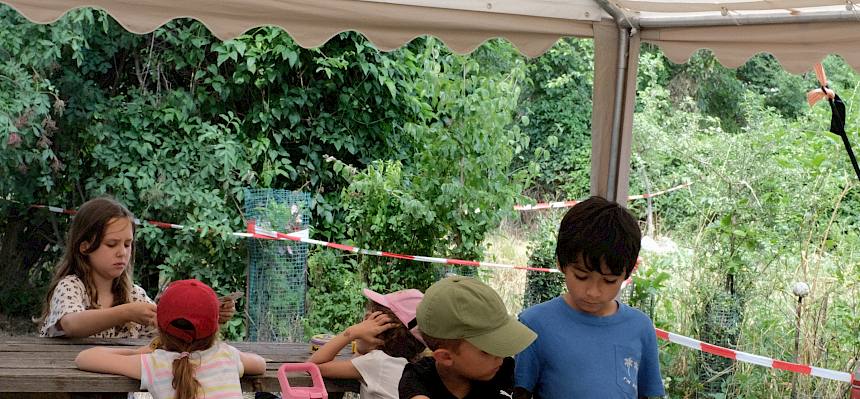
{"x": 22, "y": 243}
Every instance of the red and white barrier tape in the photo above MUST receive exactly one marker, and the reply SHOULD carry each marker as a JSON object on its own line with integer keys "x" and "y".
{"x": 753, "y": 359}
{"x": 55, "y": 209}
{"x": 162, "y": 225}
{"x": 666, "y": 191}
{"x": 545, "y": 205}
{"x": 258, "y": 232}
{"x": 570, "y": 203}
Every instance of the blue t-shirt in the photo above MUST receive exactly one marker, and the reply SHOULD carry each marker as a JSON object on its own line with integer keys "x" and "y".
{"x": 578, "y": 355}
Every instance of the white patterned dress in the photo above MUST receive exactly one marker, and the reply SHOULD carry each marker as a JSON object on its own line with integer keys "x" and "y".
{"x": 70, "y": 296}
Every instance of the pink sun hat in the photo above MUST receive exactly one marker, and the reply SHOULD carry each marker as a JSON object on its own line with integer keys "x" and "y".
{"x": 403, "y": 304}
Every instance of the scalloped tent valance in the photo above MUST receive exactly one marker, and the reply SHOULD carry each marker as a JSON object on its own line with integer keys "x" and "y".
{"x": 797, "y": 46}
{"x": 785, "y": 28}
{"x": 311, "y": 23}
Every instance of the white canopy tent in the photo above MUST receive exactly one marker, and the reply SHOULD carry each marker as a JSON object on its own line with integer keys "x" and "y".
{"x": 799, "y": 33}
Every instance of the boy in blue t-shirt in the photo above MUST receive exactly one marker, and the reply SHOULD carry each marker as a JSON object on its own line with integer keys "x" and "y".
{"x": 590, "y": 345}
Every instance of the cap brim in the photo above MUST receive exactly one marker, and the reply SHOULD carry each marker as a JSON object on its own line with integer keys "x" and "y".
{"x": 376, "y": 297}
{"x": 507, "y": 340}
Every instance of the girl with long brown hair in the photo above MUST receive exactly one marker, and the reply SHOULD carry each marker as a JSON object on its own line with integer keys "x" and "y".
{"x": 91, "y": 293}
{"x": 191, "y": 362}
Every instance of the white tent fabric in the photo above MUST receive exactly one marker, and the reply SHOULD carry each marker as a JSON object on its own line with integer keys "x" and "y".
{"x": 387, "y": 24}
{"x": 799, "y": 33}
{"x": 748, "y": 26}
{"x": 797, "y": 46}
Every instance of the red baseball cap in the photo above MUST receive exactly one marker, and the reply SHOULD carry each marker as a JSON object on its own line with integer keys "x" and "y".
{"x": 190, "y": 300}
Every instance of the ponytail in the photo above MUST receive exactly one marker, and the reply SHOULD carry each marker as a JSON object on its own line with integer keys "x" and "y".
{"x": 184, "y": 382}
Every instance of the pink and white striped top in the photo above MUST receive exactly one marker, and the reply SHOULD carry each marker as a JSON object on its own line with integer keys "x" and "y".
{"x": 218, "y": 370}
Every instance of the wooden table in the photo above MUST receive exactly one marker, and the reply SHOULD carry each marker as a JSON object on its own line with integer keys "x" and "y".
{"x": 32, "y": 367}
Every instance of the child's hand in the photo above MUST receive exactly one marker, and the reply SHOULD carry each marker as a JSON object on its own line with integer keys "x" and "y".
{"x": 228, "y": 307}
{"x": 226, "y": 311}
{"x": 374, "y": 324}
{"x": 140, "y": 312}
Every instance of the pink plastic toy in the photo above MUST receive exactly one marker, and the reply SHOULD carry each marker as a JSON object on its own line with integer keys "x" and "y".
{"x": 317, "y": 391}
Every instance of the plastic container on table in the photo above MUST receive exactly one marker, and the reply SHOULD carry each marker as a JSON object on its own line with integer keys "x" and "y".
{"x": 316, "y": 391}
{"x": 317, "y": 341}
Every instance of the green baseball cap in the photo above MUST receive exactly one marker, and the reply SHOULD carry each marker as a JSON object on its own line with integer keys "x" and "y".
{"x": 463, "y": 307}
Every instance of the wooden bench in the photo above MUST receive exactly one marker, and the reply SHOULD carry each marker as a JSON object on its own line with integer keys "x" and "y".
{"x": 32, "y": 367}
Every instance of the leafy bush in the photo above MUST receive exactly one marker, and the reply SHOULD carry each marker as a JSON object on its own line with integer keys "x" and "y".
{"x": 784, "y": 92}
{"x": 542, "y": 286}
{"x": 765, "y": 209}
{"x": 177, "y": 123}
{"x": 556, "y": 105}
{"x": 648, "y": 282}
{"x": 426, "y": 206}
{"x": 334, "y": 293}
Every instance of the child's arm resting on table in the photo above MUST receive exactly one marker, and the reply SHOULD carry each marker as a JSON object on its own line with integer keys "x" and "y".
{"x": 324, "y": 358}
{"x": 122, "y": 361}
{"x": 367, "y": 330}
{"x": 253, "y": 364}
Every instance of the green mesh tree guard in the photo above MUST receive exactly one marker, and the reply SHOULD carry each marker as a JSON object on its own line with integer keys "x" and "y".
{"x": 721, "y": 324}
{"x": 277, "y": 270}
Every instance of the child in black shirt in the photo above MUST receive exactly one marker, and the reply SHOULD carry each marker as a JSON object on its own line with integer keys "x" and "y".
{"x": 465, "y": 323}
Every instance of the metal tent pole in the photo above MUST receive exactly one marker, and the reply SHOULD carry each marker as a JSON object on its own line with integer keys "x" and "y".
{"x": 748, "y": 19}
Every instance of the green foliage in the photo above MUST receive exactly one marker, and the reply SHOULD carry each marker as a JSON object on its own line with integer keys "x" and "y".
{"x": 177, "y": 123}
{"x": 768, "y": 206}
{"x": 782, "y": 91}
{"x": 425, "y": 205}
{"x": 654, "y": 68}
{"x": 30, "y": 104}
{"x": 714, "y": 87}
{"x": 720, "y": 92}
{"x": 334, "y": 293}
{"x": 541, "y": 286}
{"x": 384, "y": 212}
{"x": 444, "y": 196}
{"x": 556, "y": 109}
{"x": 649, "y": 281}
